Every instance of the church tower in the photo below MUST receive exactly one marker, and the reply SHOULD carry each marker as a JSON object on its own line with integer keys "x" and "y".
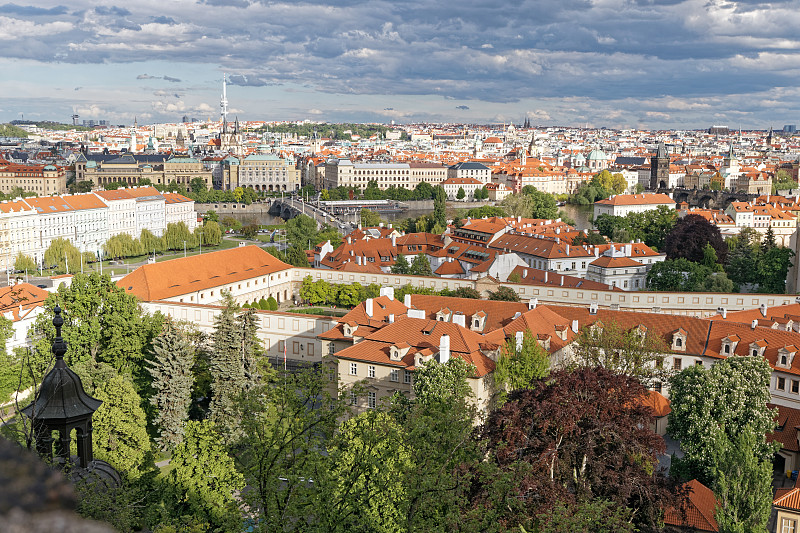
{"x": 659, "y": 168}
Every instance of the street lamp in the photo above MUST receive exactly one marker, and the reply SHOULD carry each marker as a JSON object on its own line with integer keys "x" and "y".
{"x": 184, "y": 249}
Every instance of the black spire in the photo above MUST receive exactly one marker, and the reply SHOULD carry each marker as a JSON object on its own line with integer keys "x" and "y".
{"x": 61, "y": 405}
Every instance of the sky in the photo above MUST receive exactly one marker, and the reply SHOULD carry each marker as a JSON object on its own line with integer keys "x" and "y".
{"x": 655, "y": 64}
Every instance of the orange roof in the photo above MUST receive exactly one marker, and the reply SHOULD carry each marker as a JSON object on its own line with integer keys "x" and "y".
{"x": 657, "y": 403}
{"x": 167, "y": 279}
{"x": 697, "y": 509}
{"x": 15, "y": 207}
{"x": 605, "y": 261}
{"x": 637, "y": 199}
{"x": 48, "y": 204}
{"x": 118, "y": 194}
{"x": 788, "y": 498}
{"x": 175, "y": 198}
{"x": 449, "y": 268}
{"x": 498, "y": 314}
{"x": 84, "y": 201}
{"x": 21, "y": 297}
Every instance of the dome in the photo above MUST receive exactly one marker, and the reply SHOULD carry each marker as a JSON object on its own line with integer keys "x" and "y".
{"x": 597, "y": 155}
{"x": 91, "y": 164}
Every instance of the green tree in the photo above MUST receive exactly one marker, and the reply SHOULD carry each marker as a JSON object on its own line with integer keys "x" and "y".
{"x": 518, "y": 205}
{"x": 203, "y": 481}
{"x": 730, "y": 396}
{"x": 615, "y": 183}
{"x": 238, "y": 194}
{"x": 123, "y": 245}
{"x": 272, "y": 304}
{"x": 677, "y": 275}
{"x": 318, "y": 292}
{"x": 742, "y": 482}
{"x": 198, "y": 185}
{"x": 588, "y": 238}
{"x": 212, "y": 233}
{"x": 296, "y": 256}
{"x": 520, "y": 364}
{"x": 460, "y": 195}
{"x": 177, "y": 235}
{"x": 301, "y": 231}
{"x": 64, "y": 255}
{"x": 211, "y": 216}
{"x": 506, "y": 294}
{"x": 420, "y": 266}
{"x": 171, "y": 369}
{"x": 544, "y": 204}
{"x": 249, "y": 231}
{"x": 25, "y": 263}
{"x": 772, "y": 268}
{"x": 635, "y": 352}
{"x": 101, "y": 322}
{"x": 439, "y": 206}
{"x": 717, "y": 282}
{"x": 443, "y": 382}
{"x": 227, "y": 370}
{"x": 119, "y": 428}
{"x": 466, "y": 292}
{"x": 286, "y": 425}
{"x": 401, "y": 265}
{"x": 349, "y": 295}
{"x": 370, "y": 218}
{"x": 486, "y": 211}
{"x": 369, "y": 463}
{"x": 150, "y": 242}
{"x": 783, "y": 180}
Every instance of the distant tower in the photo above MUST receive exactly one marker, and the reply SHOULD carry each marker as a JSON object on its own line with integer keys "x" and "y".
{"x": 132, "y": 147}
{"x": 659, "y": 168}
{"x": 223, "y": 102}
{"x": 769, "y": 140}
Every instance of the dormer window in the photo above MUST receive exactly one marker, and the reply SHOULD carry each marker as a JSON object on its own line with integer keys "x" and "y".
{"x": 786, "y": 356}
{"x": 728, "y": 346}
{"x": 679, "y": 340}
{"x": 757, "y": 348}
{"x": 443, "y": 315}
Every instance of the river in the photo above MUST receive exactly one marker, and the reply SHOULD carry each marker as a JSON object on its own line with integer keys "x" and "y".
{"x": 580, "y": 214}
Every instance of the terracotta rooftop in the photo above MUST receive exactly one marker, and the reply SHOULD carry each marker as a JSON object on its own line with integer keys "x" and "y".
{"x": 697, "y": 510}
{"x": 185, "y": 275}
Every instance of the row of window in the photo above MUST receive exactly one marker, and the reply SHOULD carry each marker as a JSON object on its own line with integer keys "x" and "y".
{"x": 394, "y": 374}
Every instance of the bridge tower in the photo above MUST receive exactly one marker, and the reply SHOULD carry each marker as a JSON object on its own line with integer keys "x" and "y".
{"x": 659, "y": 168}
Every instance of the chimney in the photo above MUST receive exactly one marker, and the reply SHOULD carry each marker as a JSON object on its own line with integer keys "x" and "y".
{"x": 532, "y": 303}
{"x": 754, "y": 324}
{"x": 391, "y": 319}
{"x": 562, "y": 280}
{"x": 574, "y": 326}
{"x": 358, "y": 260}
{"x": 460, "y": 319}
{"x": 545, "y": 276}
{"x": 763, "y": 309}
{"x": 568, "y": 249}
{"x": 722, "y": 311}
{"x": 390, "y": 225}
{"x": 444, "y": 348}
{"x": 369, "y": 307}
{"x": 593, "y": 308}
{"x": 518, "y": 338}
{"x": 388, "y": 292}
{"x": 349, "y": 240}
{"x": 394, "y": 239}
{"x": 407, "y": 300}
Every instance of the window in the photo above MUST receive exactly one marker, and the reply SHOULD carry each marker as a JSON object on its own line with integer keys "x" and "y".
{"x": 795, "y": 386}
{"x": 677, "y": 363}
{"x": 754, "y": 353}
{"x": 371, "y": 371}
{"x": 353, "y": 398}
{"x": 788, "y": 525}
{"x": 406, "y": 376}
{"x": 371, "y": 400}
{"x": 726, "y": 348}
{"x": 394, "y": 375}
{"x": 781, "y": 384}
{"x": 331, "y": 349}
{"x": 698, "y": 362}
{"x": 353, "y": 369}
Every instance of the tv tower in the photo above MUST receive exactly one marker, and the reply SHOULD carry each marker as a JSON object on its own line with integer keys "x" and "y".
{"x": 223, "y": 102}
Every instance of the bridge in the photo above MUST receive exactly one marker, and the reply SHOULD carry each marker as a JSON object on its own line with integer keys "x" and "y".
{"x": 706, "y": 198}
{"x": 290, "y": 207}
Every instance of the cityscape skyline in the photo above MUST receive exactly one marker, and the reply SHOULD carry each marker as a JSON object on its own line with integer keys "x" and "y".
{"x": 647, "y": 64}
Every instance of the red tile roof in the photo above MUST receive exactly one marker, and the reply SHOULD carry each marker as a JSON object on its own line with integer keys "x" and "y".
{"x": 697, "y": 509}
{"x": 167, "y": 279}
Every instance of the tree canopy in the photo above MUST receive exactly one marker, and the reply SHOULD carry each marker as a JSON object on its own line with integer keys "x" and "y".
{"x": 689, "y": 237}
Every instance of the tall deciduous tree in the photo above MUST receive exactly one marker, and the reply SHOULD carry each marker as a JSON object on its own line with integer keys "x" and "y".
{"x": 64, "y": 255}
{"x": 212, "y": 233}
{"x": 636, "y": 352}
{"x": 519, "y": 366}
{"x": 728, "y": 397}
{"x": 203, "y": 479}
{"x": 25, "y": 263}
{"x": 506, "y": 294}
{"x": 439, "y": 206}
{"x": 171, "y": 369}
{"x": 742, "y": 482}
{"x": 571, "y": 438}
{"x": 177, "y": 235}
{"x": 101, "y": 322}
{"x": 689, "y": 237}
{"x": 442, "y": 382}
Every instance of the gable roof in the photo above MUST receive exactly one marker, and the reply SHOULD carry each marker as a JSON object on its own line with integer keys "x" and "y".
{"x": 697, "y": 509}
{"x": 167, "y": 279}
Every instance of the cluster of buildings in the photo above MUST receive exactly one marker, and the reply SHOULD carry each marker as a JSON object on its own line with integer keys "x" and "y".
{"x": 87, "y": 220}
{"x": 533, "y": 251}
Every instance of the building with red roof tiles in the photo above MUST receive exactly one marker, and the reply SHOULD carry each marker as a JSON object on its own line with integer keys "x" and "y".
{"x": 247, "y": 272}
{"x": 453, "y": 185}
{"x": 697, "y": 510}
{"x": 542, "y": 278}
{"x": 618, "y": 271}
{"x": 41, "y": 179}
{"x": 622, "y": 204}
{"x": 21, "y": 303}
{"x": 786, "y": 506}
